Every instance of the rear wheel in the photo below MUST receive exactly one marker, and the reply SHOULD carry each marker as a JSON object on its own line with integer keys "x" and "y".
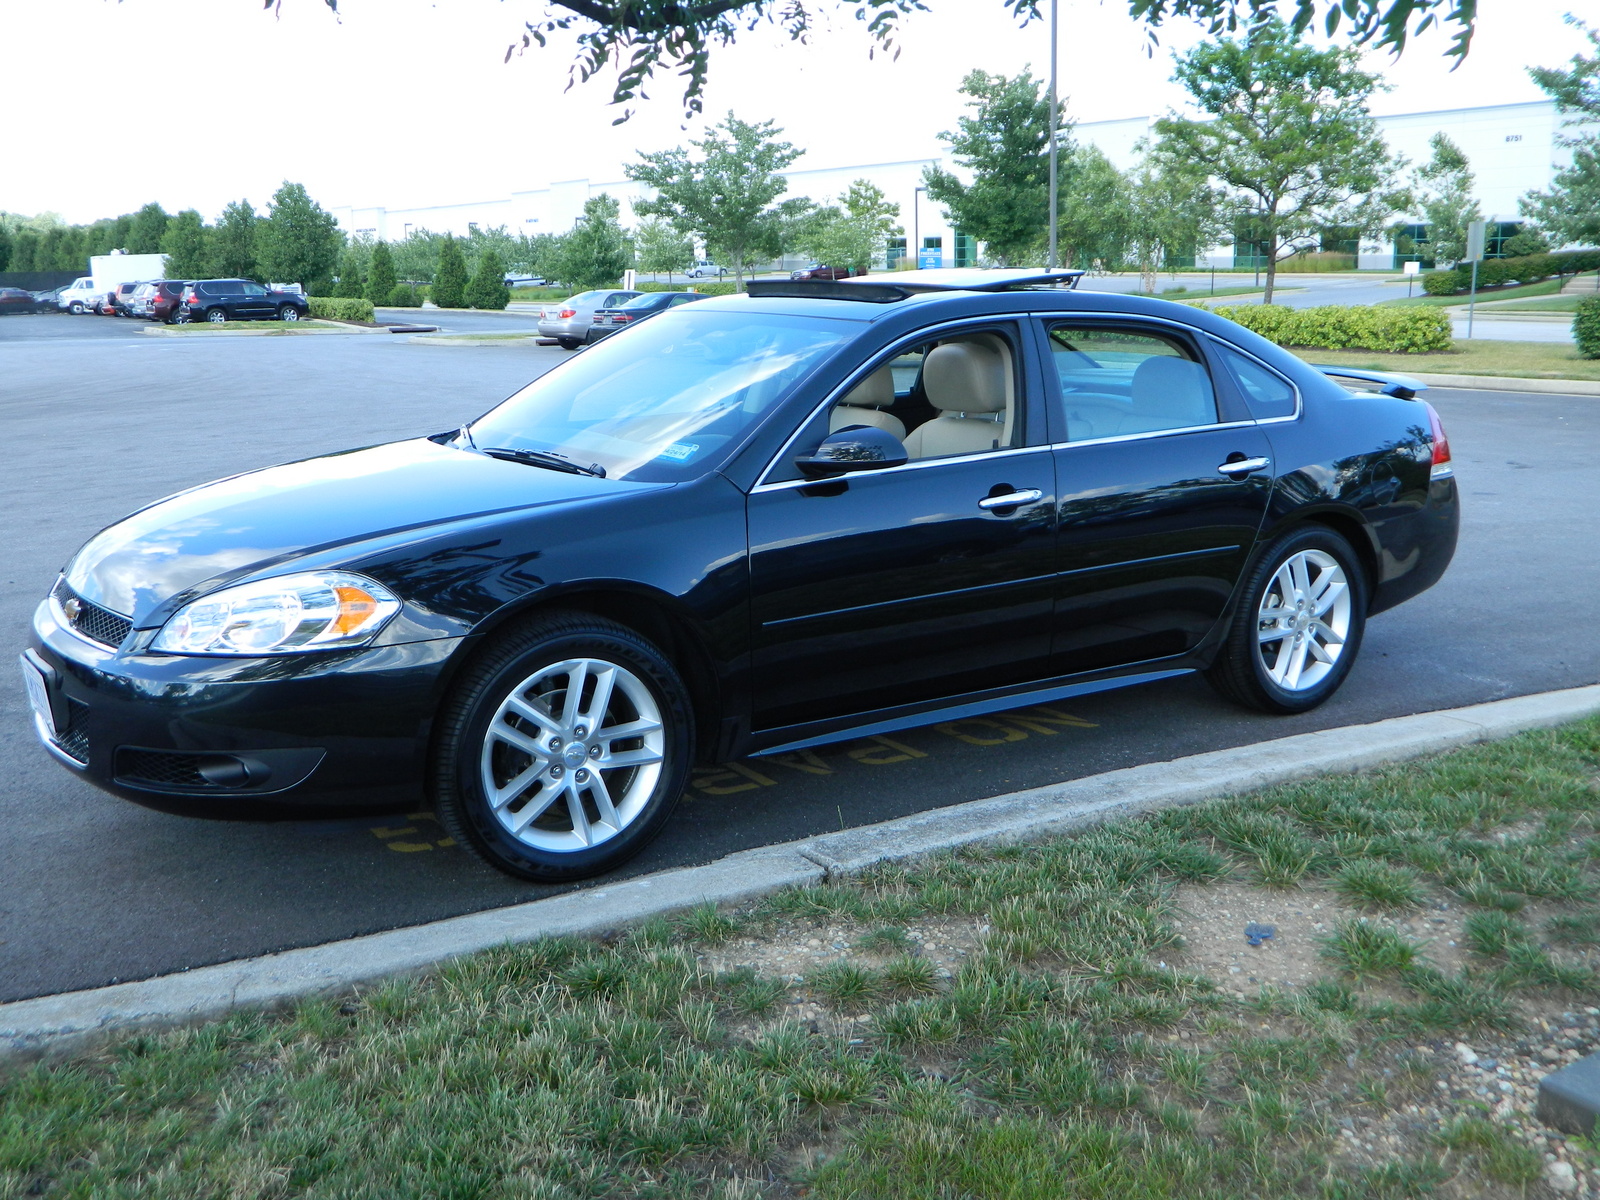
{"x": 563, "y": 749}
{"x": 216, "y": 315}
{"x": 1298, "y": 627}
{"x": 567, "y": 343}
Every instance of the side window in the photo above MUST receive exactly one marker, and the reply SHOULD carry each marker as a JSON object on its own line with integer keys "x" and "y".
{"x": 254, "y": 289}
{"x": 1119, "y": 381}
{"x": 1267, "y": 394}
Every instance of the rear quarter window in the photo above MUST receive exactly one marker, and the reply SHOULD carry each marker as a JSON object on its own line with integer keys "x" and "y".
{"x": 1266, "y": 393}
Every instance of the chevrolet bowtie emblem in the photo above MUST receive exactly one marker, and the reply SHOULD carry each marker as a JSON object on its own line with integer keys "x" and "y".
{"x": 73, "y": 607}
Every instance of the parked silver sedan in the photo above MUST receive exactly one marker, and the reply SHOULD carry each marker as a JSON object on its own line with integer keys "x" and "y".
{"x": 569, "y": 320}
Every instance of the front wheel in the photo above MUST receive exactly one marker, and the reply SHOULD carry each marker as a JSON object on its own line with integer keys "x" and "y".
{"x": 1298, "y": 627}
{"x": 564, "y": 749}
{"x": 75, "y": 308}
{"x": 288, "y": 313}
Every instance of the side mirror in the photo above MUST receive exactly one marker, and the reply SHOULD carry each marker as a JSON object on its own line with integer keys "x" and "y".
{"x": 853, "y": 448}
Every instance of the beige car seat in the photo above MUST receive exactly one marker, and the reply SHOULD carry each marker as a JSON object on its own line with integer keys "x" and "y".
{"x": 863, "y": 404}
{"x": 970, "y": 383}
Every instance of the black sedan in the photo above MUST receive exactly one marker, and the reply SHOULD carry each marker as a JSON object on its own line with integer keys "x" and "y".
{"x": 759, "y": 523}
{"x": 608, "y": 320}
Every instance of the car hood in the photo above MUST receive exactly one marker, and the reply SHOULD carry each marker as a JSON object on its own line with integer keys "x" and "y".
{"x": 227, "y": 529}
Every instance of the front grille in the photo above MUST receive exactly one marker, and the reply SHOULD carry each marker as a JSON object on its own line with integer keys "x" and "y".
{"x": 95, "y": 623}
{"x": 74, "y": 739}
{"x": 161, "y": 768}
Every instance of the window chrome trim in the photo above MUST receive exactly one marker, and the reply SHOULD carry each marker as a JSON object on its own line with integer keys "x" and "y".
{"x": 844, "y": 389}
{"x": 916, "y": 464}
{"x": 1154, "y": 433}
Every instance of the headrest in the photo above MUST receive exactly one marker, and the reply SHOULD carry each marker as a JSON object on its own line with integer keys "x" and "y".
{"x": 1173, "y": 387}
{"x": 965, "y": 377}
{"x": 875, "y": 391}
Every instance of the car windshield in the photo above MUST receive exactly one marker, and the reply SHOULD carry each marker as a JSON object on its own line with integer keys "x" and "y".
{"x": 670, "y": 400}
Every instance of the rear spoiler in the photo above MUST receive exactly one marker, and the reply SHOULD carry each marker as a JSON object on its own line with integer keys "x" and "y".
{"x": 1402, "y": 387}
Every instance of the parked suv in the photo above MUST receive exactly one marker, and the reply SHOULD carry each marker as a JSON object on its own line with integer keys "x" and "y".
{"x": 119, "y": 300}
{"x": 166, "y": 301}
{"x": 219, "y": 300}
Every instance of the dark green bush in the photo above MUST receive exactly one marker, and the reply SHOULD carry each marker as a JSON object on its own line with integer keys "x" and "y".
{"x": 1346, "y": 327}
{"x": 705, "y": 289}
{"x": 1586, "y": 327}
{"x": 1439, "y": 283}
{"x": 487, "y": 288}
{"x": 380, "y": 274}
{"x": 1495, "y": 272}
{"x": 404, "y": 295}
{"x": 450, "y": 280}
{"x": 340, "y": 308}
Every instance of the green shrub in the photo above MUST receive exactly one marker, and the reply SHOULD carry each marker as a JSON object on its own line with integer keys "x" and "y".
{"x": 450, "y": 280}
{"x": 487, "y": 289}
{"x": 1346, "y": 327}
{"x": 380, "y": 274}
{"x": 1439, "y": 283}
{"x": 404, "y": 295}
{"x": 1586, "y": 327}
{"x": 705, "y": 289}
{"x": 1496, "y": 272}
{"x": 340, "y": 308}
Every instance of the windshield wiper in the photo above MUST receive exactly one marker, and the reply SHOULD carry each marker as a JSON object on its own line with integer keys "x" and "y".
{"x": 543, "y": 458}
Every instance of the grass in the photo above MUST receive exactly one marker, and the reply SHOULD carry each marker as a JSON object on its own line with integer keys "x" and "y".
{"x": 1555, "y": 304}
{"x": 1521, "y": 360}
{"x": 1184, "y": 292}
{"x": 1064, "y": 1057}
{"x": 308, "y": 325}
{"x": 1545, "y": 287}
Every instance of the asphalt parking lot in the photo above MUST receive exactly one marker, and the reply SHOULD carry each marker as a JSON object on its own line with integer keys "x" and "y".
{"x": 101, "y": 419}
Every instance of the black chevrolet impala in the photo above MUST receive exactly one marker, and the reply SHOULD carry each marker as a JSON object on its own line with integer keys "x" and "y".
{"x": 753, "y": 524}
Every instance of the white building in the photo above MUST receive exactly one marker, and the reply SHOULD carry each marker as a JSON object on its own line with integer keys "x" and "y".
{"x": 1513, "y": 149}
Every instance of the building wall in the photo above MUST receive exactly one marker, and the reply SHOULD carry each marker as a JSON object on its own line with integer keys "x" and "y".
{"x": 1513, "y": 148}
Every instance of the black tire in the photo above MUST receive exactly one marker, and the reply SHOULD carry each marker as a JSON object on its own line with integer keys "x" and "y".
{"x": 76, "y": 308}
{"x": 568, "y": 343}
{"x": 1240, "y": 672}
{"x": 456, "y": 772}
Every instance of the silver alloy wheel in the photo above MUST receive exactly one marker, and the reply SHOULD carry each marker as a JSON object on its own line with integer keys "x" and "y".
{"x": 573, "y": 755}
{"x": 288, "y": 313}
{"x": 217, "y": 316}
{"x": 1303, "y": 620}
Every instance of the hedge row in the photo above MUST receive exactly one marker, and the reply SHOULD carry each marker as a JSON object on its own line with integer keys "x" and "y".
{"x": 706, "y": 289}
{"x": 338, "y": 308}
{"x": 1586, "y": 327}
{"x": 1346, "y": 327}
{"x": 1493, "y": 272}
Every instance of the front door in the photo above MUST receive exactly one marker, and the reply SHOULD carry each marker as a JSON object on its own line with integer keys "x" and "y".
{"x": 909, "y": 584}
{"x": 1161, "y": 495}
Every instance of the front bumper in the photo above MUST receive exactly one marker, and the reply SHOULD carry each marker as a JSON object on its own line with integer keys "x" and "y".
{"x": 241, "y": 736}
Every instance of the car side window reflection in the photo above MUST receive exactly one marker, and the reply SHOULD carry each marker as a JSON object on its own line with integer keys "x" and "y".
{"x": 1118, "y": 381}
{"x": 1268, "y": 395}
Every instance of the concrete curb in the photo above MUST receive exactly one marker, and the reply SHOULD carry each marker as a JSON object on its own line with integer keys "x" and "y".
{"x": 205, "y": 331}
{"x": 1507, "y": 383}
{"x": 54, "y": 1023}
{"x": 466, "y": 339}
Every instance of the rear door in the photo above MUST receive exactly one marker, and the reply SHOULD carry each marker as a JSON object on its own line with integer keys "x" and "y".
{"x": 909, "y": 584}
{"x": 1163, "y": 488}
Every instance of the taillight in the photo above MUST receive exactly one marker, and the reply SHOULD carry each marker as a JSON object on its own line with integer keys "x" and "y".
{"x": 1441, "y": 445}
{"x": 192, "y": 298}
{"x": 620, "y": 318}
{"x": 566, "y": 314}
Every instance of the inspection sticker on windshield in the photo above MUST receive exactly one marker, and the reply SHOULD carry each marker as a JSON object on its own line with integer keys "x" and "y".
{"x": 680, "y": 451}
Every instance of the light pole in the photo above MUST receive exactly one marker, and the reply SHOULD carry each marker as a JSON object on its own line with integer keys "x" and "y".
{"x": 1054, "y": 10}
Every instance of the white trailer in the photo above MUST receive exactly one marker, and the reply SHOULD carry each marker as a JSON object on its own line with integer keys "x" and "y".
{"x": 108, "y": 270}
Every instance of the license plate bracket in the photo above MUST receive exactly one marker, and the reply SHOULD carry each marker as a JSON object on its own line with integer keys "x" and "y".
{"x": 36, "y": 677}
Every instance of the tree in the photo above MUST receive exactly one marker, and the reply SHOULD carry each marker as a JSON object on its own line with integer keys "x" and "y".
{"x": 145, "y": 232}
{"x": 1570, "y": 210}
{"x": 350, "y": 285}
{"x": 1291, "y": 138}
{"x": 380, "y": 274}
{"x": 1005, "y": 146}
{"x": 23, "y": 248}
{"x": 725, "y": 198}
{"x": 643, "y": 36}
{"x": 1095, "y": 217}
{"x": 662, "y": 248}
{"x": 298, "y": 242}
{"x": 1444, "y": 192}
{"x": 855, "y": 234}
{"x": 450, "y": 277}
{"x": 187, "y": 245}
{"x": 597, "y": 251}
{"x": 488, "y": 286}
{"x": 5, "y": 246}
{"x": 234, "y": 241}
{"x": 1172, "y": 210}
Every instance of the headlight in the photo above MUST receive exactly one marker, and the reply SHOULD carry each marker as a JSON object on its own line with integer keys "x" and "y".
{"x": 318, "y": 610}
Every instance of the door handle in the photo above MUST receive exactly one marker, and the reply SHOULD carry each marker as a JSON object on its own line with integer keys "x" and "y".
{"x": 1010, "y": 499}
{"x": 1244, "y": 466}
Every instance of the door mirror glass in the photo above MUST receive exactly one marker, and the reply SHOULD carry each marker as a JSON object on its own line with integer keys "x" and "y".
{"x": 853, "y": 448}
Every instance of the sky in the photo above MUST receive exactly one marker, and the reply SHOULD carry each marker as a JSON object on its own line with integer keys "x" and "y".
{"x": 193, "y": 103}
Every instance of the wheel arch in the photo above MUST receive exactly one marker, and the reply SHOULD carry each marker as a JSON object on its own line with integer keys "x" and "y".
{"x": 1348, "y": 524}
{"x": 653, "y": 615}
